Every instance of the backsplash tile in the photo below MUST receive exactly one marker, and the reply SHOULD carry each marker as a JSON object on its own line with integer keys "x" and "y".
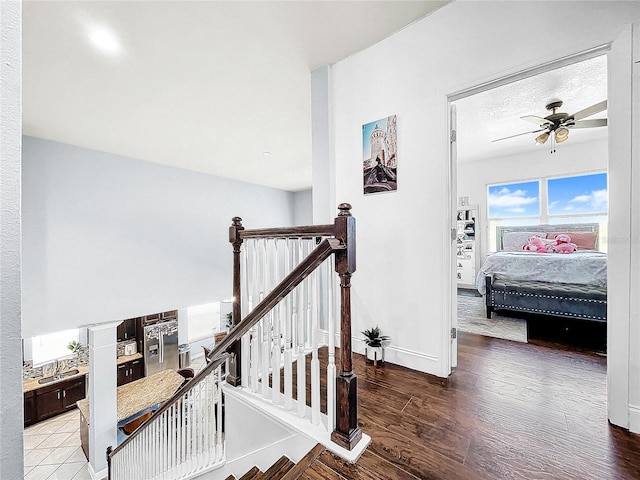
{"x": 80, "y": 358}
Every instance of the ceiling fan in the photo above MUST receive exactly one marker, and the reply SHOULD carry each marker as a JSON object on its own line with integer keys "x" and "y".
{"x": 556, "y": 126}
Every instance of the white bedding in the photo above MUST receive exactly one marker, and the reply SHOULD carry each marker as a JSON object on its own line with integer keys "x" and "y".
{"x": 582, "y": 267}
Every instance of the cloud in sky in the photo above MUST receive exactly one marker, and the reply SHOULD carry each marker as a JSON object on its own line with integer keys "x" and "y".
{"x": 597, "y": 199}
{"x": 505, "y": 198}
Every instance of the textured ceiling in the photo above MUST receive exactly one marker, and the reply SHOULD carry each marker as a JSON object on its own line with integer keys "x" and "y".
{"x": 496, "y": 113}
{"x": 207, "y": 86}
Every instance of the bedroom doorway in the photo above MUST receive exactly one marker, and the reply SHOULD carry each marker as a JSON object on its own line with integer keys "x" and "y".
{"x": 507, "y": 158}
{"x": 623, "y": 259}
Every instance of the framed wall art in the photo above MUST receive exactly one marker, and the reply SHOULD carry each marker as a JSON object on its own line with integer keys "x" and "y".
{"x": 379, "y": 159}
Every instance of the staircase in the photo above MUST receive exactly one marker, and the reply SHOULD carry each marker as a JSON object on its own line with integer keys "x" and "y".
{"x": 295, "y": 286}
{"x": 284, "y": 469}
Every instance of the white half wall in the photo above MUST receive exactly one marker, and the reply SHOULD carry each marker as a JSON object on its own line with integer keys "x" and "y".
{"x": 569, "y": 159}
{"x": 107, "y": 237}
{"x": 403, "y": 237}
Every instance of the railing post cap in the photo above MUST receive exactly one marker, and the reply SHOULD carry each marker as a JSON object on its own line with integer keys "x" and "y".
{"x": 344, "y": 210}
{"x": 237, "y": 221}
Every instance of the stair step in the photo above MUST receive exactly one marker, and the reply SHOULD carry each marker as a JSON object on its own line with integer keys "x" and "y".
{"x": 304, "y": 463}
{"x": 278, "y": 469}
{"x": 252, "y": 474}
{"x": 231, "y": 477}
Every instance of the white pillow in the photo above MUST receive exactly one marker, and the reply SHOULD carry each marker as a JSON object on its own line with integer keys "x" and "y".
{"x": 514, "y": 241}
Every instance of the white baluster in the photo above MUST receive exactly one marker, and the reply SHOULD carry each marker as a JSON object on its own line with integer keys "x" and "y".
{"x": 276, "y": 353}
{"x": 255, "y": 364}
{"x": 288, "y": 345}
{"x": 315, "y": 362}
{"x": 301, "y": 361}
{"x": 247, "y": 307}
{"x": 265, "y": 349}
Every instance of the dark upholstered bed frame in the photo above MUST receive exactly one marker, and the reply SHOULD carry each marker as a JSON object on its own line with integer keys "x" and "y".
{"x": 583, "y": 302}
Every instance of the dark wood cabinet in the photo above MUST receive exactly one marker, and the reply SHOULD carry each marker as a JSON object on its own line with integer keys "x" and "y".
{"x": 29, "y": 408}
{"x": 170, "y": 315}
{"x": 72, "y": 392}
{"x": 137, "y": 369}
{"x": 57, "y": 398}
{"x": 127, "y": 330}
{"x": 48, "y": 402}
{"x": 130, "y": 371}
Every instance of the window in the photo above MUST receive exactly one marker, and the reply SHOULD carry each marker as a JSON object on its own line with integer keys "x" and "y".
{"x": 46, "y": 348}
{"x": 203, "y": 321}
{"x": 574, "y": 199}
{"x": 513, "y": 204}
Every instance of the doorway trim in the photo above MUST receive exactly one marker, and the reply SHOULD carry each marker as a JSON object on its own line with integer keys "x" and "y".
{"x": 619, "y": 323}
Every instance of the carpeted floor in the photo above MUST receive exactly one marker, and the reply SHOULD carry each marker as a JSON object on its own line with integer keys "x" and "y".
{"x": 472, "y": 318}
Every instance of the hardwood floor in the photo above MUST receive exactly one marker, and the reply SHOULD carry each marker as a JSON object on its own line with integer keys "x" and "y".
{"x": 509, "y": 411}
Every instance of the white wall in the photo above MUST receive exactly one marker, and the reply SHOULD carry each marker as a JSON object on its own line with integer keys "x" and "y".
{"x": 107, "y": 237}
{"x": 403, "y": 278}
{"x": 569, "y": 159}
{"x": 11, "y": 404}
{"x": 303, "y": 208}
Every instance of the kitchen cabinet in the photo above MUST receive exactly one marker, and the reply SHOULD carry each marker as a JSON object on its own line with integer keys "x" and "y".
{"x": 29, "y": 408}
{"x": 130, "y": 371}
{"x": 127, "y": 329}
{"x": 58, "y": 397}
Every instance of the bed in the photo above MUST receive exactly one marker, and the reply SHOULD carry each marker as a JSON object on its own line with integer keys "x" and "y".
{"x": 570, "y": 285}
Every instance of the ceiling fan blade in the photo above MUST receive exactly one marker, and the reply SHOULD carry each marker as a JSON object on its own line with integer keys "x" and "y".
{"x": 592, "y": 110}
{"x": 596, "y": 122}
{"x": 539, "y": 120}
{"x": 518, "y": 135}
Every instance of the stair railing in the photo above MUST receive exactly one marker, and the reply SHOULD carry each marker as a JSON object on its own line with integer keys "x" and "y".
{"x": 295, "y": 319}
{"x": 184, "y": 437}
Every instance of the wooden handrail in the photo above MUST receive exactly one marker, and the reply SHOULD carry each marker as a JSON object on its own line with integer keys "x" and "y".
{"x": 291, "y": 232}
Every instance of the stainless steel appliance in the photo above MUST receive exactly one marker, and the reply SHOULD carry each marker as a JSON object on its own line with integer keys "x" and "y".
{"x": 160, "y": 347}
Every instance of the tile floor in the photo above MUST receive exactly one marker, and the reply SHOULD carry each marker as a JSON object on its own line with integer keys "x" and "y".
{"x": 52, "y": 448}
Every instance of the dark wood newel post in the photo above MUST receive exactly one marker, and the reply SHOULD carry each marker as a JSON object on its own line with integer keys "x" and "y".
{"x": 347, "y": 433}
{"x": 234, "y": 361}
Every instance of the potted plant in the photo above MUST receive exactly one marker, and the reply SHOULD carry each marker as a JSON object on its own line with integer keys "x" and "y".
{"x": 74, "y": 346}
{"x": 375, "y": 341}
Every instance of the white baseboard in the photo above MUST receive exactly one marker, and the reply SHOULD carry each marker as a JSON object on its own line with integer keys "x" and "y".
{"x": 104, "y": 473}
{"x": 634, "y": 418}
{"x": 404, "y": 357}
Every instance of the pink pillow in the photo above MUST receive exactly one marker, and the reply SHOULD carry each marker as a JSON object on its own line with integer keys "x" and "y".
{"x": 584, "y": 240}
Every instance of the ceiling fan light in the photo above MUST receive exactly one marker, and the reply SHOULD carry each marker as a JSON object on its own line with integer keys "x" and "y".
{"x": 562, "y": 134}
{"x": 543, "y": 137}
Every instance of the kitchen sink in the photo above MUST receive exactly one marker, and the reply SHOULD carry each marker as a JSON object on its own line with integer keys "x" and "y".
{"x": 59, "y": 376}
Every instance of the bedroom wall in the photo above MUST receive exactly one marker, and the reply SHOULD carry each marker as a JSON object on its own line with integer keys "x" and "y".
{"x": 570, "y": 159}
{"x": 107, "y": 237}
{"x": 403, "y": 282}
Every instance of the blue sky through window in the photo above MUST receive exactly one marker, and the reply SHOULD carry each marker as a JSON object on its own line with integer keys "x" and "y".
{"x": 514, "y": 200}
{"x": 575, "y": 195}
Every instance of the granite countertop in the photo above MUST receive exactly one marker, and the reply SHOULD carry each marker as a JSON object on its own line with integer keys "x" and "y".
{"x": 136, "y": 396}
{"x": 128, "y": 358}
{"x": 32, "y": 384}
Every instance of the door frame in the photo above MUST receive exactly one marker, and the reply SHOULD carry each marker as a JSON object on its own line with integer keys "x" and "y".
{"x": 619, "y": 58}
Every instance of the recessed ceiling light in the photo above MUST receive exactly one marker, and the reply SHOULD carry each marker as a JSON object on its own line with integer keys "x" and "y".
{"x": 266, "y": 154}
{"x": 105, "y": 40}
